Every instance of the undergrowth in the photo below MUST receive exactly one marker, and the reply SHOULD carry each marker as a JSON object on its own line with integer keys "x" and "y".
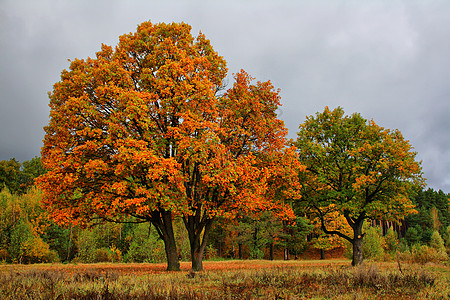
{"x": 282, "y": 282}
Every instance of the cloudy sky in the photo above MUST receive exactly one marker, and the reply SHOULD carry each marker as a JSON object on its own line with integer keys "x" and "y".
{"x": 388, "y": 60}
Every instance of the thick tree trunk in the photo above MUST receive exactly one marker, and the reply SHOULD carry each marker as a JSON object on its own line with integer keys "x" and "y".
{"x": 197, "y": 260}
{"x": 198, "y": 232}
{"x": 162, "y": 220}
{"x": 173, "y": 263}
{"x": 357, "y": 244}
{"x": 240, "y": 255}
{"x": 322, "y": 254}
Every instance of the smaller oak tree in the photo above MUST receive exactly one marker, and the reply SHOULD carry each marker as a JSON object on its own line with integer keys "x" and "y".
{"x": 366, "y": 171}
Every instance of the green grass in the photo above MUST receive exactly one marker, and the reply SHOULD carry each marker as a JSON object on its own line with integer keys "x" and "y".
{"x": 227, "y": 280}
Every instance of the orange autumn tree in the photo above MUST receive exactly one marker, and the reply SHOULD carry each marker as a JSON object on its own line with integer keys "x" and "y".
{"x": 142, "y": 134}
{"x": 237, "y": 162}
{"x": 362, "y": 169}
{"x": 119, "y": 124}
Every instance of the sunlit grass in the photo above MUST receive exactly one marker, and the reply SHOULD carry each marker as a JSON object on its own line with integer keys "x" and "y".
{"x": 235, "y": 279}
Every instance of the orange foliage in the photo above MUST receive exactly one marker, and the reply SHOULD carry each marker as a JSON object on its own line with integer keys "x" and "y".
{"x": 142, "y": 127}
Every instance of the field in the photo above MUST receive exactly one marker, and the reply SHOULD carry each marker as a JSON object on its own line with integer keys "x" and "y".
{"x": 234, "y": 279}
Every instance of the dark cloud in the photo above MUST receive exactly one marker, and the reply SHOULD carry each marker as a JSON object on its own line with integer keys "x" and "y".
{"x": 388, "y": 60}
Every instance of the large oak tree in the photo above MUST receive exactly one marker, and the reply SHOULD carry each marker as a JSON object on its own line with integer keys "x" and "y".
{"x": 357, "y": 169}
{"x": 143, "y": 132}
{"x": 111, "y": 146}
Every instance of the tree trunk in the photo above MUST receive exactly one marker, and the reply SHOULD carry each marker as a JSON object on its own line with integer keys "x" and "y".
{"x": 357, "y": 243}
{"x": 198, "y": 232}
{"x": 255, "y": 244}
{"x": 286, "y": 253}
{"x": 271, "y": 251}
{"x": 240, "y": 251}
{"x": 322, "y": 254}
{"x": 197, "y": 259}
{"x": 173, "y": 263}
{"x": 162, "y": 220}
{"x": 69, "y": 243}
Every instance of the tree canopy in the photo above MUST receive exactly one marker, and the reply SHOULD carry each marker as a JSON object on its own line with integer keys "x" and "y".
{"x": 356, "y": 168}
{"x": 143, "y": 130}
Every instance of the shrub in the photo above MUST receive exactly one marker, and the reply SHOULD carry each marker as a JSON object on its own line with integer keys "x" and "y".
{"x": 145, "y": 245}
{"x": 86, "y": 247}
{"x": 102, "y": 255}
{"x": 35, "y": 250}
{"x": 115, "y": 254}
{"x": 373, "y": 244}
{"x": 437, "y": 242}
{"x": 423, "y": 254}
{"x": 4, "y": 255}
{"x": 447, "y": 237}
{"x": 20, "y": 234}
{"x": 391, "y": 242}
{"x": 413, "y": 235}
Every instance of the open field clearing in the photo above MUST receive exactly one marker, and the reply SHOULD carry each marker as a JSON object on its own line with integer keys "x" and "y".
{"x": 254, "y": 279}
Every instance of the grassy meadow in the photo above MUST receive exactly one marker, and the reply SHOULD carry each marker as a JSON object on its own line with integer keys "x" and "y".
{"x": 234, "y": 279}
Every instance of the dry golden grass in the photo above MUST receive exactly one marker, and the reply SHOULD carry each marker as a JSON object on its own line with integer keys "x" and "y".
{"x": 235, "y": 279}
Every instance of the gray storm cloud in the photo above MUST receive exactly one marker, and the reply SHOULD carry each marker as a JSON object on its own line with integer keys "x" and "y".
{"x": 388, "y": 60}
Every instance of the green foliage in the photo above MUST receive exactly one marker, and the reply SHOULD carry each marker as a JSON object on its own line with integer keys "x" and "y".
{"x": 31, "y": 169}
{"x": 257, "y": 233}
{"x": 373, "y": 244}
{"x": 253, "y": 233}
{"x": 447, "y": 237}
{"x": 146, "y": 245}
{"x": 17, "y": 177}
{"x": 294, "y": 235}
{"x": 20, "y": 234}
{"x": 22, "y": 222}
{"x": 26, "y": 248}
{"x": 437, "y": 242}
{"x": 87, "y": 245}
{"x": 9, "y": 173}
{"x": 433, "y": 214}
{"x": 391, "y": 242}
{"x": 423, "y": 254}
{"x": 59, "y": 239}
{"x": 361, "y": 169}
{"x": 413, "y": 235}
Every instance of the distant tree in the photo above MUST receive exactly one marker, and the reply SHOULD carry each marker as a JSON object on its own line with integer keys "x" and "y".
{"x": 22, "y": 225}
{"x": 30, "y": 170}
{"x": 373, "y": 243}
{"x": 366, "y": 171}
{"x": 145, "y": 245}
{"x": 391, "y": 242}
{"x": 294, "y": 236}
{"x": 258, "y": 232}
{"x": 433, "y": 213}
{"x": 413, "y": 235}
{"x": 9, "y": 174}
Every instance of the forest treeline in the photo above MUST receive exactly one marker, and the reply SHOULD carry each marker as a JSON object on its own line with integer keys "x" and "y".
{"x": 28, "y": 235}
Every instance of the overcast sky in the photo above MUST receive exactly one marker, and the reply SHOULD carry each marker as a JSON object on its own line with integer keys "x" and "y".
{"x": 388, "y": 60}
